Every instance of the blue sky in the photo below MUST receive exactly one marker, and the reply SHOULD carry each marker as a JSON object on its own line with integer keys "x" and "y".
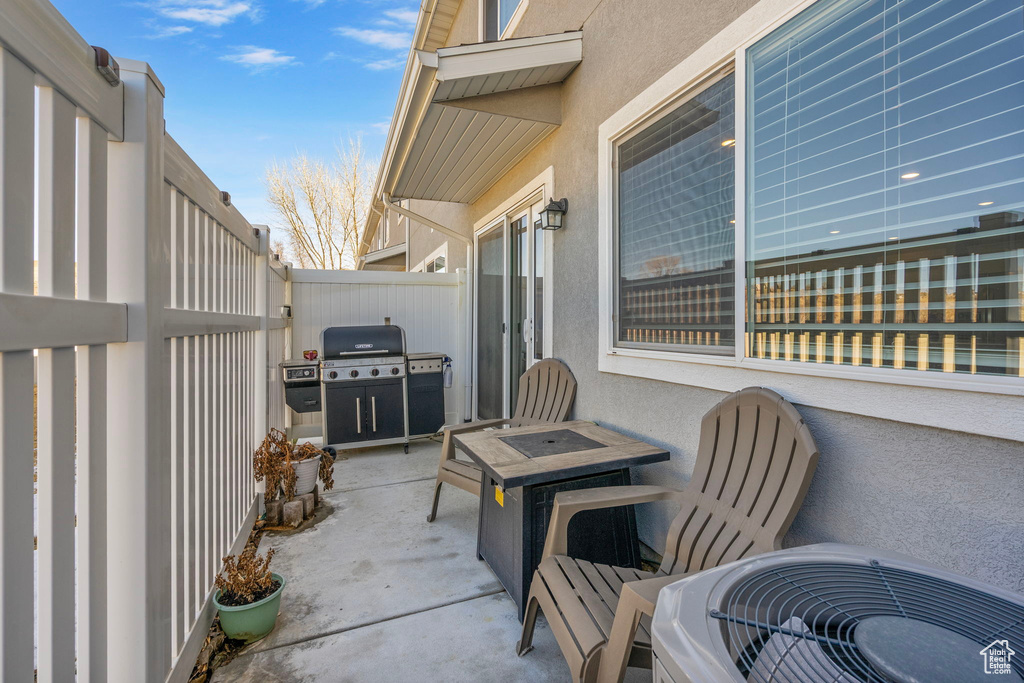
{"x": 249, "y": 81}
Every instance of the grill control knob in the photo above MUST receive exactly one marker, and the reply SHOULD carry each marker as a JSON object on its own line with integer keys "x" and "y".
{"x": 395, "y": 371}
{"x": 332, "y": 374}
{"x": 375, "y": 372}
{"x": 354, "y": 373}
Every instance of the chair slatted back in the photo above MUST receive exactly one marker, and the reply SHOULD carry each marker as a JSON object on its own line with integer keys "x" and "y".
{"x": 546, "y": 393}
{"x": 755, "y": 462}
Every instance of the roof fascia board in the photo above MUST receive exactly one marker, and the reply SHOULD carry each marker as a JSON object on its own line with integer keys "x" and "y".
{"x": 500, "y": 58}
{"x": 510, "y": 44}
{"x": 385, "y": 253}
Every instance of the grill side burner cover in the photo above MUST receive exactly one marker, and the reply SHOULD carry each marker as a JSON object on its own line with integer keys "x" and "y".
{"x": 369, "y": 340}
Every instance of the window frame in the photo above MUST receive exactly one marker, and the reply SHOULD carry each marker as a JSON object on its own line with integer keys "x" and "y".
{"x": 694, "y": 89}
{"x": 513, "y": 21}
{"x": 861, "y": 389}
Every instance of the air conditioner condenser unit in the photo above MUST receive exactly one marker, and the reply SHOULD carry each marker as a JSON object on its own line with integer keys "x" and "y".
{"x": 837, "y": 614}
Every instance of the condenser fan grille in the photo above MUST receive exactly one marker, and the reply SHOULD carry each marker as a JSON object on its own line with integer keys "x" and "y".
{"x": 799, "y": 622}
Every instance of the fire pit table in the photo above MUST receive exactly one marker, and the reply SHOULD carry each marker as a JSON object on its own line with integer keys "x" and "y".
{"x": 523, "y": 469}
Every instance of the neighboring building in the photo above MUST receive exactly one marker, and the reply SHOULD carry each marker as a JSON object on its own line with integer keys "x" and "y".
{"x": 853, "y": 168}
{"x": 387, "y": 248}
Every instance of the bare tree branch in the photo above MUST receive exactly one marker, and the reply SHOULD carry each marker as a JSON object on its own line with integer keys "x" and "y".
{"x": 322, "y": 206}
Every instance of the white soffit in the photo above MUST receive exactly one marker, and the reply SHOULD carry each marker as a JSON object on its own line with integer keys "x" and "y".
{"x": 457, "y": 153}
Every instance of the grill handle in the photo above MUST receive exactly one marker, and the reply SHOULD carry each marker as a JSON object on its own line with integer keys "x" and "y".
{"x": 359, "y": 416}
{"x": 373, "y": 411}
{"x": 362, "y": 353}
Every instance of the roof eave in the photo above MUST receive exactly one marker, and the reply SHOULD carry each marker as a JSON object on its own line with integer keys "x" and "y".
{"x": 432, "y": 27}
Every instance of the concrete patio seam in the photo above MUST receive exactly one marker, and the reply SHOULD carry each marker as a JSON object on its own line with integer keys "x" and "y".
{"x": 366, "y": 624}
{"x": 377, "y": 486}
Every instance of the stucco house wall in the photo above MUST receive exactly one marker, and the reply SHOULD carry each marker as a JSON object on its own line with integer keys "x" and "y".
{"x": 423, "y": 241}
{"x": 948, "y": 496}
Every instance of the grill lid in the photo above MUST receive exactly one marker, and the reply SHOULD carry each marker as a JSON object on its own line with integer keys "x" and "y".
{"x": 362, "y": 340}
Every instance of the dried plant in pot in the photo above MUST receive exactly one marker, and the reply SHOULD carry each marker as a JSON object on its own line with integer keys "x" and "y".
{"x": 291, "y": 469}
{"x": 248, "y": 595}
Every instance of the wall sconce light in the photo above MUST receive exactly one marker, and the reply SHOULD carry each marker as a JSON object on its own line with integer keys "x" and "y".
{"x": 225, "y": 198}
{"x": 286, "y": 312}
{"x": 551, "y": 216}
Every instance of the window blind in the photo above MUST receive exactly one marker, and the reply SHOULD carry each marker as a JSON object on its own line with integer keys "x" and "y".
{"x": 676, "y": 234}
{"x": 885, "y": 186}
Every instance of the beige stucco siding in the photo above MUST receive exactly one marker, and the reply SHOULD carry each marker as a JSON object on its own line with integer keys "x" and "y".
{"x": 947, "y": 496}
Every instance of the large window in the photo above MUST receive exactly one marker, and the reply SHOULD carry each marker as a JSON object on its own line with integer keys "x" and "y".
{"x": 885, "y": 181}
{"x": 676, "y": 244}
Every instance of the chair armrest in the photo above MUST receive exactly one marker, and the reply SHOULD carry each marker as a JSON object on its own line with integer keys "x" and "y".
{"x": 568, "y": 503}
{"x": 643, "y": 594}
{"x": 637, "y": 599}
{"x": 475, "y": 426}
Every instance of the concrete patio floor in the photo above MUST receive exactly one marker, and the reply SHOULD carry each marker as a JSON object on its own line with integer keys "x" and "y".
{"x": 375, "y": 593}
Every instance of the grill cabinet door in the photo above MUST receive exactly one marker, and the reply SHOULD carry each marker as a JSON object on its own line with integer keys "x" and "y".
{"x": 385, "y": 410}
{"x": 346, "y": 413}
{"x": 426, "y": 403}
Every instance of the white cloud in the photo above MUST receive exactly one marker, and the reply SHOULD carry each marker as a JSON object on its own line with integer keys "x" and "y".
{"x": 170, "y": 31}
{"x": 313, "y": 4}
{"x": 392, "y": 40}
{"x": 382, "y": 127}
{"x": 385, "y": 64}
{"x": 401, "y": 16}
{"x": 259, "y": 58}
{"x": 208, "y": 12}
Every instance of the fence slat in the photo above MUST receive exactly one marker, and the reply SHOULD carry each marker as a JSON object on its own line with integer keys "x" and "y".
{"x": 217, "y": 453}
{"x": 203, "y": 451}
{"x": 191, "y": 479}
{"x": 91, "y": 496}
{"x": 56, "y": 392}
{"x": 178, "y": 562}
{"x": 16, "y": 544}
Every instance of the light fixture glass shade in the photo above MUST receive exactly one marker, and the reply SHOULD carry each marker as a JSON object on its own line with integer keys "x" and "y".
{"x": 551, "y": 216}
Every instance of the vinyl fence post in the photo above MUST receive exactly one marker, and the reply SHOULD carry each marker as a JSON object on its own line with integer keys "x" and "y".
{"x": 261, "y": 378}
{"x": 138, "y": 509}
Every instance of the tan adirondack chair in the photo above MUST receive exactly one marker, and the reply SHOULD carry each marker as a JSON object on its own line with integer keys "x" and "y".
{"x": 754, "y": 464}
{"x": 546, "y": 393}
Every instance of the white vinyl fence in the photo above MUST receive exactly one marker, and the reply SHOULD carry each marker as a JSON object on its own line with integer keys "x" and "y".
{"x": 150, "y": 325}
{"x": 430, "y": 307}
{"x": 152, "y": 347}
{"x": 213, "y": 353}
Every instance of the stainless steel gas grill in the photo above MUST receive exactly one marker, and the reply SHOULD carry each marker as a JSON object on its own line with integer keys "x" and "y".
{"x": 363, "y": 386}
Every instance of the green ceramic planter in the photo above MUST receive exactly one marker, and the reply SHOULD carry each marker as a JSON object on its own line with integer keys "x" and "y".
{"x": 250, "y": 622}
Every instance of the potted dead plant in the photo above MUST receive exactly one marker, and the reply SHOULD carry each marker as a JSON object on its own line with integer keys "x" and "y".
{"x": 291, "y": 468}
{"x": 248, "y": 595}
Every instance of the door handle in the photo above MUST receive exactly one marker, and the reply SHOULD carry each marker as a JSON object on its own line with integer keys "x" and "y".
{"x": 527, "y": 330}
{"x": 373, "y": 411}
{"x": 359, "y": 416}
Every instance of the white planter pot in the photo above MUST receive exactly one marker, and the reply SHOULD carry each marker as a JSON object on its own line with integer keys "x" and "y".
{"x": 305, "y": 475}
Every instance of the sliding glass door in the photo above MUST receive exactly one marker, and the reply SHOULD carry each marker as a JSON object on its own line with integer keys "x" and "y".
{"x": 509, "y": 308}
{"x": 490, "y": 321}
{"x": 518, "y": 313}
